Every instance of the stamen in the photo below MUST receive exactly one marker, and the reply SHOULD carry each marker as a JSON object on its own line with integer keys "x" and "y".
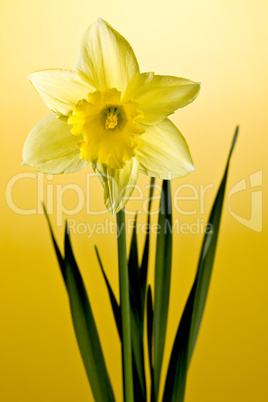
{"x": 111, "y": 122}
{"x": 111, "y": 118}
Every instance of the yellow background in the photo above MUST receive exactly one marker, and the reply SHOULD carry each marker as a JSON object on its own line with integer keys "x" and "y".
{"x": 223, "y": 44}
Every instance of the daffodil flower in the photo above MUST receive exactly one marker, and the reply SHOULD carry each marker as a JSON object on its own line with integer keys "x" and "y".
{"x": 111, "y": 115}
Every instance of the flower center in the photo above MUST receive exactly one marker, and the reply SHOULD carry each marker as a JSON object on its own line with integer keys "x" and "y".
{"x": 111, "y": 119}
{"x": 91, "y": 119}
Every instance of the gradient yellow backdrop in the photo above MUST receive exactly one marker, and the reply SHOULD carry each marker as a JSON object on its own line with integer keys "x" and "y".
{"x": 223, "y": 44}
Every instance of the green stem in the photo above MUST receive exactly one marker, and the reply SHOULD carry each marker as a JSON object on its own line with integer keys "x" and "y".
{"x": 125, "y": 308}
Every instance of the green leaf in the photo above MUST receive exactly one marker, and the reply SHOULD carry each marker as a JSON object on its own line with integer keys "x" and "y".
{"x": 83, "y": 321}
{"x": 85, "y": 328}
{"x": 136, "y": 316}
{"x": 138, "y": 391}
{"x": 138, "y": 356}
{"x": 57, "y": 250}
{"x": 150, "y": 314}
{"x": 114, "y": 304}
{"x": 145, "y": 256}
{"x": 192, "y": 315}
{"x": 125, "y": 308}
{"x": 134, "y": 273}
{"x": 150, "y": 326}
{"x": 162, "y": 279}
{"x": 138, "y": 280}
{"x": 137, "y": 344}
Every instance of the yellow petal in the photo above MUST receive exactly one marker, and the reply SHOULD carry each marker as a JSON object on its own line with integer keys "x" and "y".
{"x": 60, "y": 89}
{"x": 106, "y": 57}
{"x": 51, "y": 148}
{"x": 118, "y": 184}
{"x": 164, "y": 152}
{"x": 158, "y": 96}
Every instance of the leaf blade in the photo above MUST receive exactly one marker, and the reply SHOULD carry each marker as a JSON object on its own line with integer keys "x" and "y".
{"x": 162, "y": 280}
{"x": 55, "y": 244}
{"x": 85, "y": 328}
{"x": 192, "y": 315}
{"x": 125, "y": 308}
{"x": 145, "y": 255}
{"x": 134, "y": 271}
{"x": 136, "y": 316}
{"x": 150, "y": 315}
{"x": 114, "y": 304}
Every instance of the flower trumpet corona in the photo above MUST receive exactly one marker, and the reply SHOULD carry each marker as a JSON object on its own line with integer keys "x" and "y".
{"x": 111, "y": 115}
